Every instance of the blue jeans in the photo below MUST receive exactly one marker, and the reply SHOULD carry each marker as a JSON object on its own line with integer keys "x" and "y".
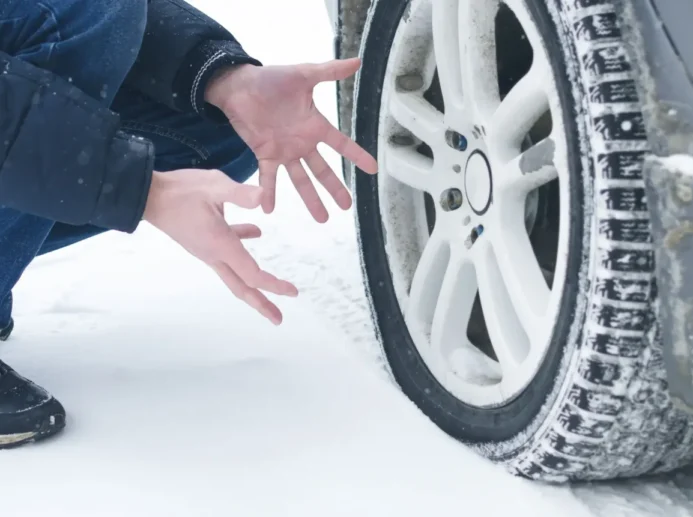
{"x": 93, "y": 44}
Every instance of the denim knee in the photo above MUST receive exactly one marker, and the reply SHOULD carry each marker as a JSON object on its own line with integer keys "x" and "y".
{"x": 118, "y": 27}
{"x": 94, "y": 43}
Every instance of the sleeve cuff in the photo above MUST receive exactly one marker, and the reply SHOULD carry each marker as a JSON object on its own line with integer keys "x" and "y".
{"x": 125, "y": 187}
{"x": 199, "y": 67}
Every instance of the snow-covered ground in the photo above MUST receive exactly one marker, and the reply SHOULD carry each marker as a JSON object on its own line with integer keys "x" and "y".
{"x": 183, "y": 402}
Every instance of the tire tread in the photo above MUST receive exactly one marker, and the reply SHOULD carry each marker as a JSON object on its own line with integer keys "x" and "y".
{"x": 626, "y": 407}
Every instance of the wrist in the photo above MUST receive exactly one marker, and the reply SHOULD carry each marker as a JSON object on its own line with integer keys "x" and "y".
{"x": 155, "y": 188}
{"x": 227, "y": 84}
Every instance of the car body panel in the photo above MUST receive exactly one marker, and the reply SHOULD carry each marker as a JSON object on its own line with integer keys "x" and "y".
{"x": 663, "y": 52}
{"x": 676, "y": 18}
{"x": 661, "y": 47}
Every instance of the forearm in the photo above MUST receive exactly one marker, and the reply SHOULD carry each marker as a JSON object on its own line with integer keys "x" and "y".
{"x": 182, "y": 49}
{"x": 63, "y": 157}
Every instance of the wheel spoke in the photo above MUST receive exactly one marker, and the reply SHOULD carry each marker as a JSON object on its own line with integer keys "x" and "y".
{"x": 528, "y": 171}
{"x": 429, "y": 69}
{"x": 409, "y": 167}
{"x": 427, "y": 284}
{"x": 446, "y": 44}
{"x": 519, "y": 268}
{"x": 417, "y": 115}
{"x": 454, "y": 306}
{"x": 477, "y": 50}
{"x": 521, "y": 108}
{"x": 507, "y": 336}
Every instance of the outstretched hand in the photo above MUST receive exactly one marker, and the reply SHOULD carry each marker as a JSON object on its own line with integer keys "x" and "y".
{"x": 188, "y": 206}
{"x": 272, "y": 109}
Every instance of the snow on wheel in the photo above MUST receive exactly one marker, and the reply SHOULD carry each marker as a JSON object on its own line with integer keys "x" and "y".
{"x": 505, "y": 241}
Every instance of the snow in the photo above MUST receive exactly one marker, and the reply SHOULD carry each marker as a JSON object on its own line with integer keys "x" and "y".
{"x": 183, "y": 402}
{"x": 682, "y": 163}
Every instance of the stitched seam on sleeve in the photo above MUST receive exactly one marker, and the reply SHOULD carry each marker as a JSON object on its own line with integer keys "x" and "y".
{"x": 200, "y": 74}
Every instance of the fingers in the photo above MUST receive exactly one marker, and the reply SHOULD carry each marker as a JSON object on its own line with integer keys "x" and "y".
{"x": 245, "y": 279}
{"x": 270, "y": 283}
{"x": 349, "y": 149}
{"x": 334, "y": 70}
{"x": 246, "y": 231}
{"x": 237, "y": 257}
{"x": 268, "y": 182}
{"x": 252, "y": 297}
{"x": 245, "y": 196}
{"x": 327, "y": 177}
{"x": 307, "y": 191}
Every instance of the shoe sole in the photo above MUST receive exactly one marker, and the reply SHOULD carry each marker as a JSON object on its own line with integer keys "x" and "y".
{"x": 52, "y": 426}
{"x": 7, "y": 331}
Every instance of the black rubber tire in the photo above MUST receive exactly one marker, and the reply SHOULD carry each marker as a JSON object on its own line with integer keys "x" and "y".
{"x": 598, "y": 407}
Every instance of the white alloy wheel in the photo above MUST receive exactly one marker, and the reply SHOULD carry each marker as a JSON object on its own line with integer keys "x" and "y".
{"x": 510, "y": 140}
{"x": 479, "y": 179}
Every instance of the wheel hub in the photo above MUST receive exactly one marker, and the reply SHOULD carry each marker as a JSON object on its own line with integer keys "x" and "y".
{"x": 478, "y": 185}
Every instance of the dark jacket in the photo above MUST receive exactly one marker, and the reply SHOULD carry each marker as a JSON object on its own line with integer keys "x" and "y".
{"x": 63, "y": 155}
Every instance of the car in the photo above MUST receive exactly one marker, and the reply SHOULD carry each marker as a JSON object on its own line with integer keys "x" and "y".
{"x": 525, "y": 244}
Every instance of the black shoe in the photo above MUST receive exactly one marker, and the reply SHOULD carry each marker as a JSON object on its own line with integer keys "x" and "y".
{"x": 27, "y": 413}
{"x": 5, "y": 332}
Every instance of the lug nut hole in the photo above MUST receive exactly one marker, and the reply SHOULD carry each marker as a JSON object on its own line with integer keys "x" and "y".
{"x": 476, "y": 232}
{"x": 451, "y": 199}
{"x": 474, "y": 235}
{"x": 456, "y": 140}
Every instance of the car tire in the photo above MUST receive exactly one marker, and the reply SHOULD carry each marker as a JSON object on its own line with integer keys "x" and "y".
{"x": 597, "y": 406}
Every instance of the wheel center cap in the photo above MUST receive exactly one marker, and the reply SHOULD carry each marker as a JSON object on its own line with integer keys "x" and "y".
{"x": 478, "y": 186}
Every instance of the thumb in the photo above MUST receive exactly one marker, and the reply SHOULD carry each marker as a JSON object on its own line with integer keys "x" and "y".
{"x": 335, "y": 70}
{"x": 240, "y": 194}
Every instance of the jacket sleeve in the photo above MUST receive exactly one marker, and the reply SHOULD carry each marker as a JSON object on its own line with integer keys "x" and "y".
{"x": 182, "y": 49}
{"x": 62, "y": 155}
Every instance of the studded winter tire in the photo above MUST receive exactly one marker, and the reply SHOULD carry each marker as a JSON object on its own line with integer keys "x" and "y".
{"x": 505, "y": 241}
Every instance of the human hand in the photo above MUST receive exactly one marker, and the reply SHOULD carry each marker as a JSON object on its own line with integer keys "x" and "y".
{"x": 272, "y": 109}
{"x": 188, "y": 205}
